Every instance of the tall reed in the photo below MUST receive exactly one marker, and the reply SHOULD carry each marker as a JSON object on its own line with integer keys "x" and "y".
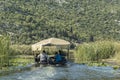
{"x": 94, "y": 51}
{"x": 117, "y": 54}
{"x": 4, "y": 50}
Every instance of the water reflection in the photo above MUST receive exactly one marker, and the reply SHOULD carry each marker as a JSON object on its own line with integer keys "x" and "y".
{"x": 71, "y": 72}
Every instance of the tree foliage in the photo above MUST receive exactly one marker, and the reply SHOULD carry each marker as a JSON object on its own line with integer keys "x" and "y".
{"x": 28, "y": 21}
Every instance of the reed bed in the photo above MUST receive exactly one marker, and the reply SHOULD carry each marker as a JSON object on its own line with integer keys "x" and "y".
{"x": 117, "y": 54}
{"x": 95, "y": 51}
{"x": 4, "y": 51}
{"x": 21, "y": 50}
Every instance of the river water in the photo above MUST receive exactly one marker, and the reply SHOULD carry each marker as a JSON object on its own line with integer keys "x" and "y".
{"x": 69, "y": 72}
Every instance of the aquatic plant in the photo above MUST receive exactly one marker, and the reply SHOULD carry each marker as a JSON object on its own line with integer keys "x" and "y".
{"x": 21, "y": 49}
{"x": 95, "y": 51}
{"x": 4, "y": 50}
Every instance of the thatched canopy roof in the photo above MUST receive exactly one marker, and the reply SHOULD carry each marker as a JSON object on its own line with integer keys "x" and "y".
{"x": 50, "y": 41}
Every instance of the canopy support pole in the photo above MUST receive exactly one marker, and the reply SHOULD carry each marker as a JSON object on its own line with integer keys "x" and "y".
{"x": 68, "y": 52}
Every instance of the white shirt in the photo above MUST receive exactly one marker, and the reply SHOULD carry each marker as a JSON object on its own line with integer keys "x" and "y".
{"x": 43, "y": 56}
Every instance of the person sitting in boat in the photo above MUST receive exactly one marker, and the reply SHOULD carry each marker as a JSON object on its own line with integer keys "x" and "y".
{"x": 37, "y": 58}
{"x": 62, "y": 56}
{"x": 58, "y": 58}
{"x": 51, "y": 60}
{"x": 43, "y": 57}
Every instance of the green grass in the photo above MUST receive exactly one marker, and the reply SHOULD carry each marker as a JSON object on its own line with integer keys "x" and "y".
{"x": 116, "y": 57}
{"x": 95, "y": 51}
{"x": 21, "y": 61}
{"x": 21, "y": 49}
{"x": 97, "y": 64}
{"x": 8, "y": 54}
{"x": 4, "y": 50}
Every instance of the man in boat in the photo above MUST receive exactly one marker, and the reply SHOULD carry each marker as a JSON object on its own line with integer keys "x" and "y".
{"x": 59, "y": 58}
{"x": 63, "y": 57}
{"x": 43, "y": 57}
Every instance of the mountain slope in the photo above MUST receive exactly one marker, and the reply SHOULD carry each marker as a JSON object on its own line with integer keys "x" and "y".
{"x": 29, "y": 21}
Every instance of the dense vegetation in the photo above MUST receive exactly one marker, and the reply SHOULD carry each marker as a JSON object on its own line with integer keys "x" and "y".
{"x": 96, "y": 51}
{"x": 10, "y": 54}
{"x": 28, "y": 21}
{"x": 21, "y": 50}
{"x": 4, "y": 51}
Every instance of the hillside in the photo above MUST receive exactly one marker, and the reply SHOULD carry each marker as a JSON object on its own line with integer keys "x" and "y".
{"x": 29, "y": 21}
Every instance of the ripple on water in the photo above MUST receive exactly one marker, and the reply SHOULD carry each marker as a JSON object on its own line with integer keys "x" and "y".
{"x": 73, "y": 72}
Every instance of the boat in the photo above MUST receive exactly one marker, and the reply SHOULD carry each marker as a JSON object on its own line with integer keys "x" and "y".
{"x": 59, "y": 43}
{"x": 51, "y": 63}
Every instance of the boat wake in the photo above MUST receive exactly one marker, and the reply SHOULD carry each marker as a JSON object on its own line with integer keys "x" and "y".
{"x": 70, "y": 72}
